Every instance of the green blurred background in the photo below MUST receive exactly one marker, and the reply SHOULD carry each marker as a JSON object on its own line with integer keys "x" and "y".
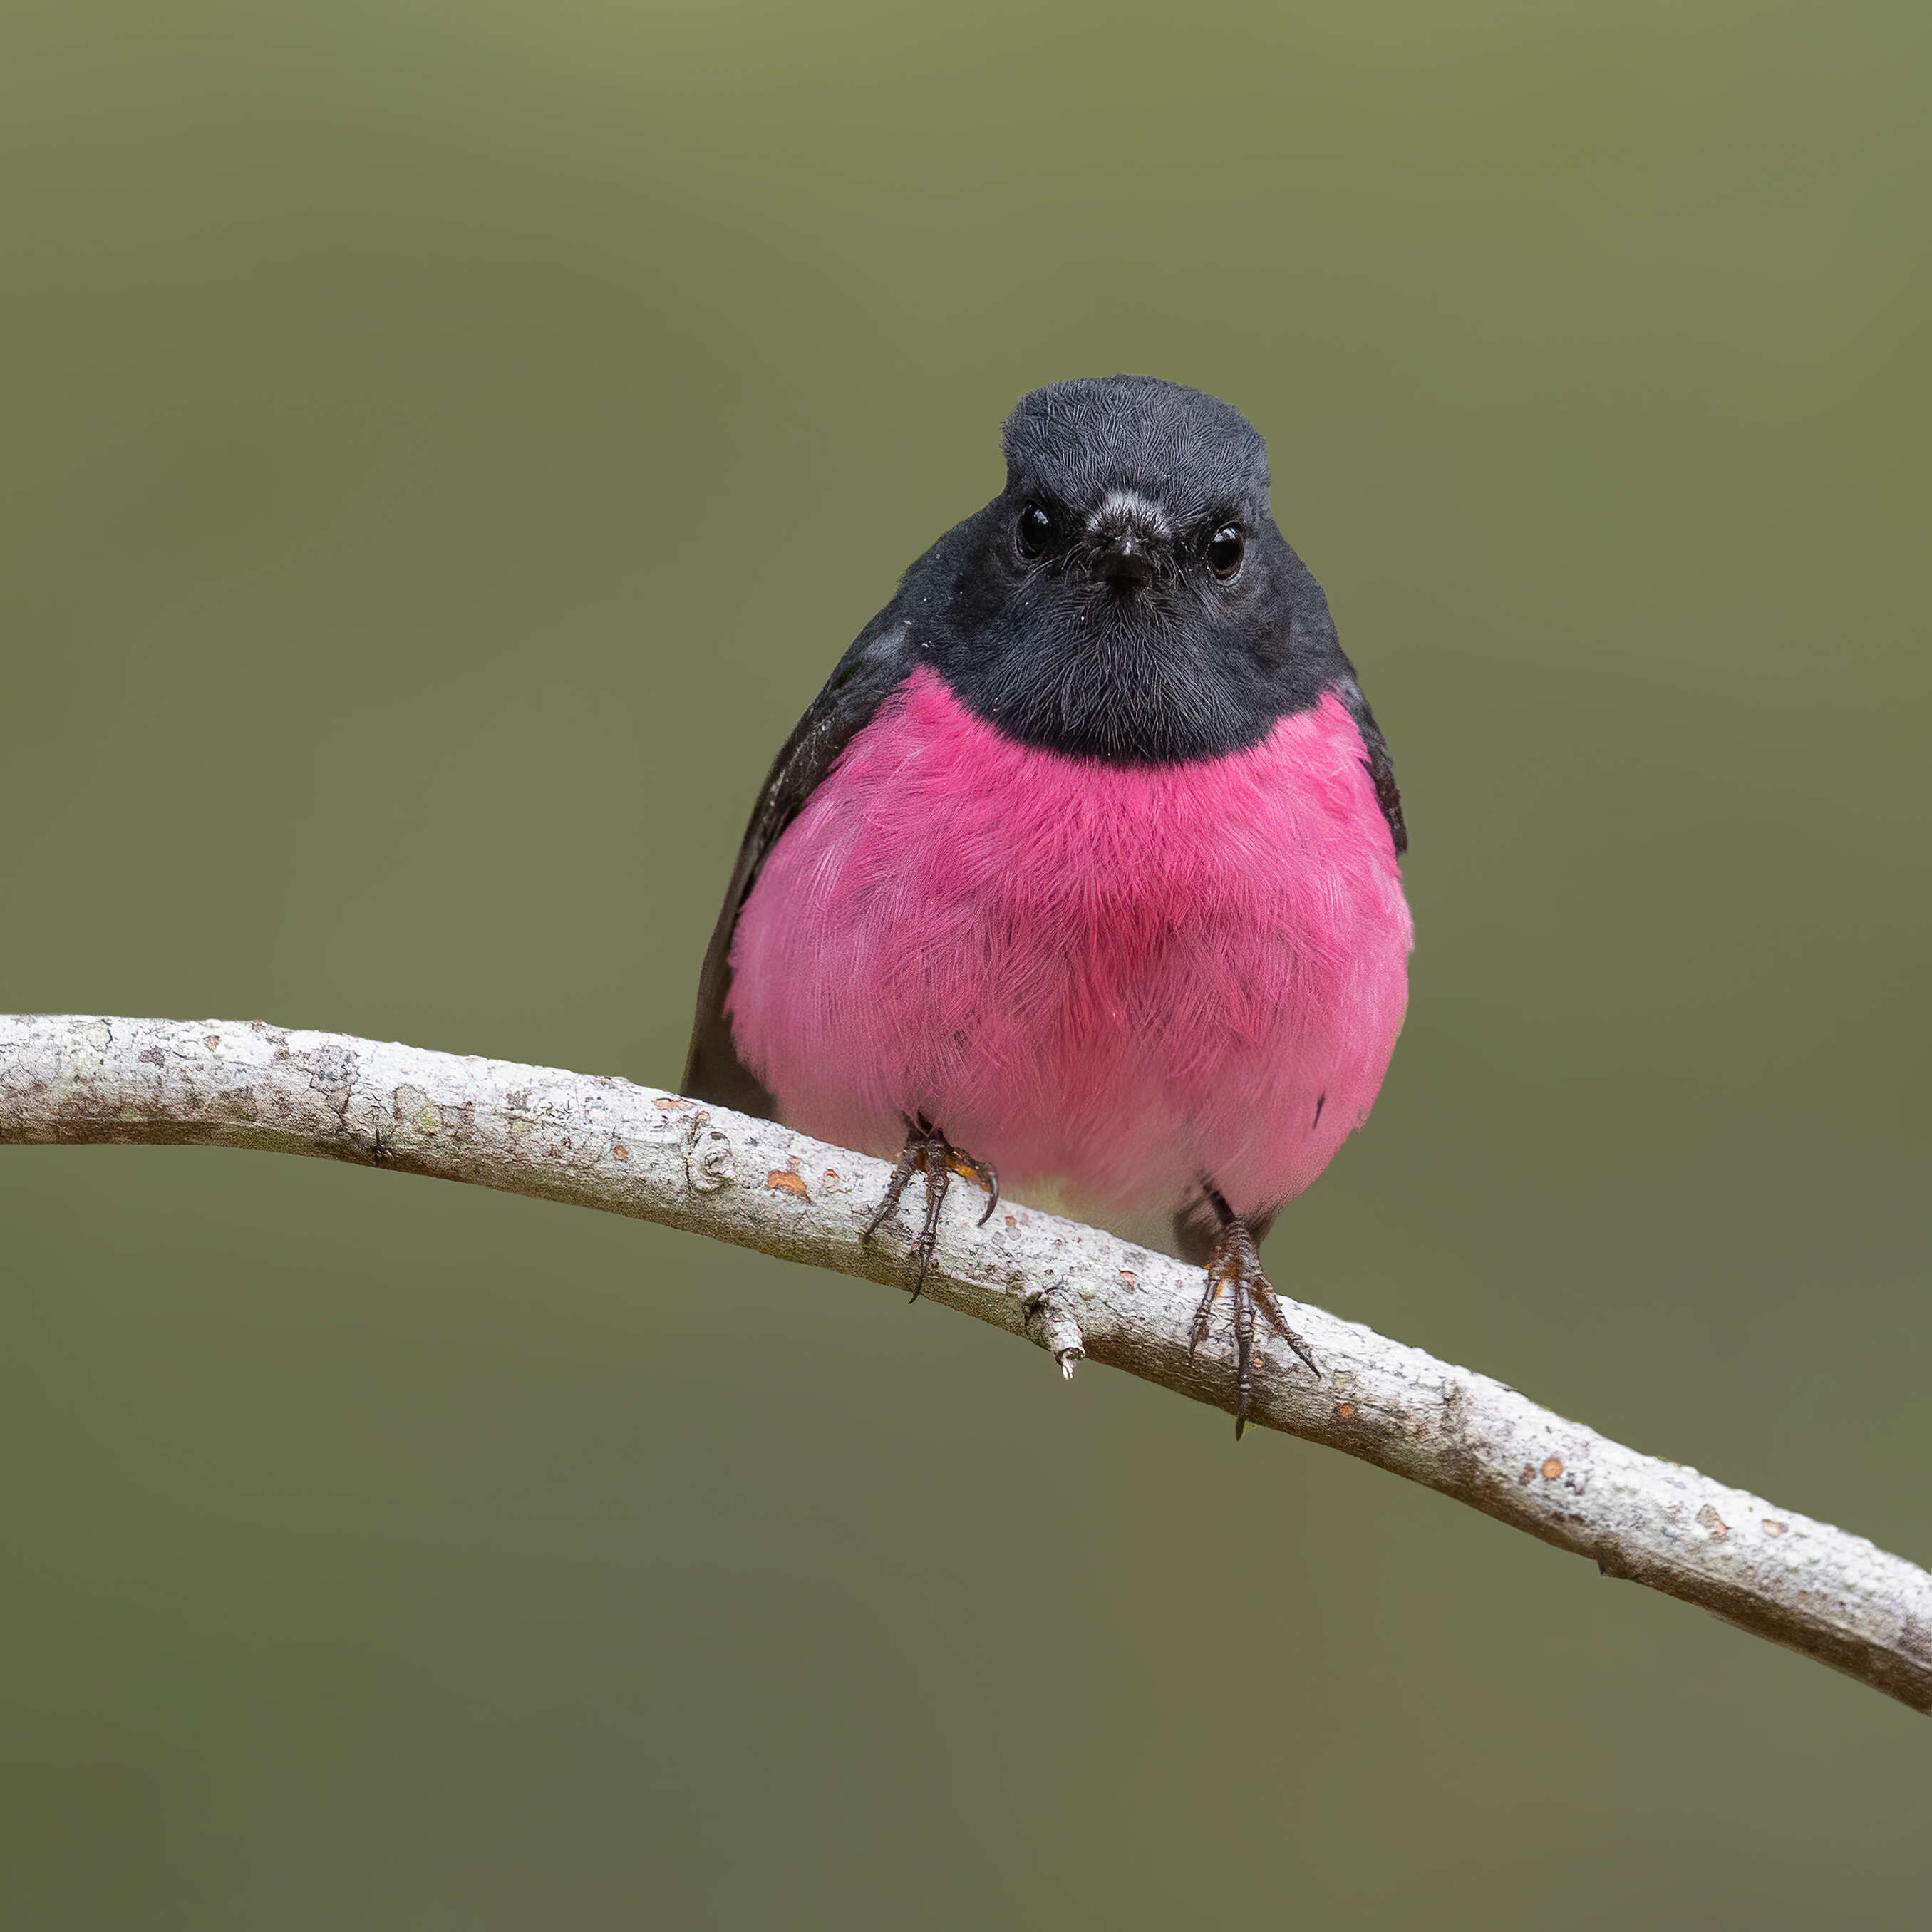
{"x": 444, "y": 448}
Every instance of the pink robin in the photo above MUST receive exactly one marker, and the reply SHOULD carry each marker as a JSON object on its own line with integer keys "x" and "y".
{"x": 1084, "y": 860}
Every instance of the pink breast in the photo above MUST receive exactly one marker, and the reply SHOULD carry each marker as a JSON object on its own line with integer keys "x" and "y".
{"x": 1110, "y": 980}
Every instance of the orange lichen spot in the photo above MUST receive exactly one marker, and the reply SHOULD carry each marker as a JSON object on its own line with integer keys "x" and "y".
{"x": 620, "y": 1151}
{"x": 667, "y": 1100}
{"x": 1714, "y": 1523}
{"x": 1011, "y": 1222}
{"x": 1131, "y": 1279}
{"x": 786, "y": 1182}
{"x": 1773, "y": 1529}
{"x": 1345, "y": 1411}
{"x": 1553, "y": 1468}
{"x": 831, "y": 1176}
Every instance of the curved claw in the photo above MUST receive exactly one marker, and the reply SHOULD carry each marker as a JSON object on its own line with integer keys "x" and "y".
{"x": 992, "y": 1192}
{"x": 1264, "y": 1293}
{"x": 1235, "y": 1266}
{"x": 927, "y": 1152}
{"x": 982, "y": 1171}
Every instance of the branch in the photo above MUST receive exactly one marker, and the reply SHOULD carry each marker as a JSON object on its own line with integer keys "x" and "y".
{"x": 600, "y": 1142}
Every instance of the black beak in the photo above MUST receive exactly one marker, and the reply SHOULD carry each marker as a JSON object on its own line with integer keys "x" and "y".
{"x": 1127, "y": 561}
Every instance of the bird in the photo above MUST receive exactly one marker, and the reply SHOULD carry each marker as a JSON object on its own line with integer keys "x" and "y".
{"x": 1080, "y": 875}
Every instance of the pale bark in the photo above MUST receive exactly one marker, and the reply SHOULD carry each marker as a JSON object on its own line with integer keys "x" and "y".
{"x": 600, "y": 1142}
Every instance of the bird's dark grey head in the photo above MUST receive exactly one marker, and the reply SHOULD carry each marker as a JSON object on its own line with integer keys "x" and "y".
{"x": 1127, "y": 595}
{"x": 1132, "y": 478}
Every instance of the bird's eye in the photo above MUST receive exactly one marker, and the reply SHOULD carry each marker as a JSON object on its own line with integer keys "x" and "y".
{"x": 1225, "y": 548}
{"x": 1033, "y": 531}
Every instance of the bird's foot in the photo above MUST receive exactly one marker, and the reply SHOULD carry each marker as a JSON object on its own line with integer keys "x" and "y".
{"x": 1236, "y": 1265}
{"x": 928, "y": 1152}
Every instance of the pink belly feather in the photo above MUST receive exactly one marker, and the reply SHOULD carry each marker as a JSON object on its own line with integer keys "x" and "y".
{"x": 1106, "y": 980}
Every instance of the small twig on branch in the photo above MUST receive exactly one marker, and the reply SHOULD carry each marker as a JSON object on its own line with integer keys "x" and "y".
{"x": 600, "y": 1142}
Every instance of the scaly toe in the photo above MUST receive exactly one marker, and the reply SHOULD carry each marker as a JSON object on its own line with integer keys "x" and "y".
{"x": 923, "y": 1250}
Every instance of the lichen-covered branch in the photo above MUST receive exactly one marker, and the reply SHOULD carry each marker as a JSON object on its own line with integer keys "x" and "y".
{"x": 600, "y": 1142}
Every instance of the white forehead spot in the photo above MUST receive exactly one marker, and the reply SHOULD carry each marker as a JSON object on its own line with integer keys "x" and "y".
{"x": 1123, "y": 505}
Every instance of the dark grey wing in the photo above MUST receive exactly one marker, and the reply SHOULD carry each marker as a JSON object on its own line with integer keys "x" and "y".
{"x": 878, "y": 663}
{"x": 1381, "y": 767}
